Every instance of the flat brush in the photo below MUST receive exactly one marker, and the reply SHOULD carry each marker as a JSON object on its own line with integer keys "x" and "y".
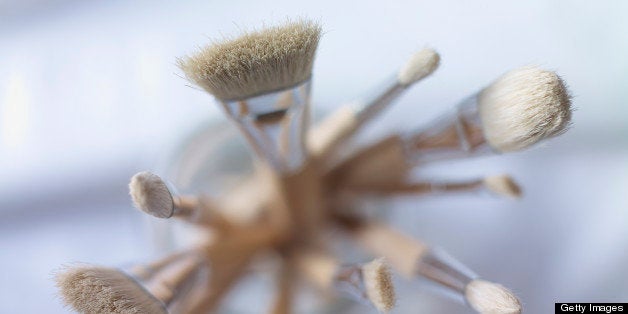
{"x": 413, "y": 258}
{"x": 262, "y": 79}
{"x": 101, "y": 290}
{"x": 152, "y": 195}
{"x": 364, "y": 282}
{"x": 344, "y": 122}
{"x": 500, "y": 185}
{"x": 519, "y": 109}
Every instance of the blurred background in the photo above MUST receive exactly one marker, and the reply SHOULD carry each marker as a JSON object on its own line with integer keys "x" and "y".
{"x": 90, "y": 94}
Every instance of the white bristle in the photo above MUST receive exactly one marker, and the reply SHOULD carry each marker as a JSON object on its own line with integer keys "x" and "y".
{"x": 420, "y": 65}
{"x": 503, "y": 185}
{"x": 379, "y": 286}
{"x": 101, "y": 290}
{"x": 256, "y": 62}
{"x": 151, "y": 195}
{"x": 491, "y": 298}
{"x": 523, "y": 107}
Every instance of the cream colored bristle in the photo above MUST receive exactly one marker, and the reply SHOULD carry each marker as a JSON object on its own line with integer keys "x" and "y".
{"x": 491, "y": 298}
{"x": 151, "y": 195}
{"x": 379, "y": 286}
{"x": 256, "y": 62}
{"x": 523, "y": 107}
{"x": 420, "y": 65}
{"x": 104, "y": 290}
{"x": 503, "y": 185}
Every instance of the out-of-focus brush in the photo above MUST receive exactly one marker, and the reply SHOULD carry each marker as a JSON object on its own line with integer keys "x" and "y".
{"x": 412, "y": 258}
{"x": 152, "y": 195}
{"x": 371, "y": 281}
{"x": 344, "y": 122}
{"x": 501, "y": 185}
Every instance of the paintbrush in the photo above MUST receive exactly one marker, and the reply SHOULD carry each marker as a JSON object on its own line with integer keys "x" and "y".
{"x": 519, "y": 109}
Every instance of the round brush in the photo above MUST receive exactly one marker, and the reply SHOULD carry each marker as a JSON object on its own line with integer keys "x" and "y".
{"x": 519, "y": 109}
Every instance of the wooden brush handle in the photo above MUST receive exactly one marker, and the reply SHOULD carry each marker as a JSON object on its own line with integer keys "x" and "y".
{"x": 401, "y": 251}
{"x": 285, "y": 291}
{"x": 228, "y": 257}
{"x": 396, "y": 188}
{"x": 168, "y": 284}
{"x": 379, "y": 164}
{"x": 317, "y": 267}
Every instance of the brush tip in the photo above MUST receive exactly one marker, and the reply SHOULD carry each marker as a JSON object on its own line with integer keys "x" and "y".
{"x": 151, "y": 195}
{"x": 503, "y": 185}
{"x": 379, "y": 286}
{"x": 523, "y": 107}
{"x": 257, "y": 62}
{"x": 100, "y": 290}
{"x": 491, "y": 298}
{"x": 420, "y": 65}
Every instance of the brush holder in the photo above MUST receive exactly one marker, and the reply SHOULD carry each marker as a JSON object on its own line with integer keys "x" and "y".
{"x": 211, "y": 160}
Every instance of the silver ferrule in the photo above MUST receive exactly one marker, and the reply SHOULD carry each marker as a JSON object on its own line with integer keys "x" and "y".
{"x": 350, "y": 280}
{"x": 442, "y": 269}
{"x": 275, "y": 124}
{"x": 456, "y": 134}
{"x": 378, "y": 100}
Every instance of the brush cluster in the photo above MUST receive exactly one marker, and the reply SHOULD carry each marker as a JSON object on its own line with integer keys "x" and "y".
{"x": 287, "y": 216}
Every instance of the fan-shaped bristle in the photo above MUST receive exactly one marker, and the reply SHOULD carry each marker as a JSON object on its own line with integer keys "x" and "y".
{"x": 256, "y": 62}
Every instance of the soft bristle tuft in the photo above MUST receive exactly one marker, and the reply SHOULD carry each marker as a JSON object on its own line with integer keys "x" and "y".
{"x": 523, "y": 107}
{"x": 101, "y": 290}
{"x": 491, "y": 298}
{"x": 503, "y": 185}
{"x": 379, "y": 286}
{"x": 420, "y": 65}
{"x": 257, "y": 62}
{"x": 151, "y": 195}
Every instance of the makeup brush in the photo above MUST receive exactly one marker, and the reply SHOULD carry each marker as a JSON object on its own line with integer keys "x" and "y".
{"x": 151, "y": 195}
{"x": 411, "y": 257}
{"x": 344, "y": 122}
{"x": 262, "y": 79}
{"x": 100, "y": 290}
{"x": 501, "y": 185}
{"x": 519, "y": 109}
{"x": 371, "y": 281}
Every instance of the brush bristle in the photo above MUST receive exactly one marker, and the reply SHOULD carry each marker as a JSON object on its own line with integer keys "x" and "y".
{"x": 503, "y": 185}
{"x": 101, "y": 290}
{"x": 420, "y": 65}
{"x": 257, "y": 62}
{"x": 491, "y": 298}
{"x": 379, "y": 286}
{"x": 151, "y": 195}
{"x": 522, "y": 107}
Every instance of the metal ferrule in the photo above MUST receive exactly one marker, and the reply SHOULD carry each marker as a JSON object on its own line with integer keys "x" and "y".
{"x": 442, "y": 269}
{"x": 275, "y": 124}
{"x": 461, "y": 119}
{"x": 350, "y": 280}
